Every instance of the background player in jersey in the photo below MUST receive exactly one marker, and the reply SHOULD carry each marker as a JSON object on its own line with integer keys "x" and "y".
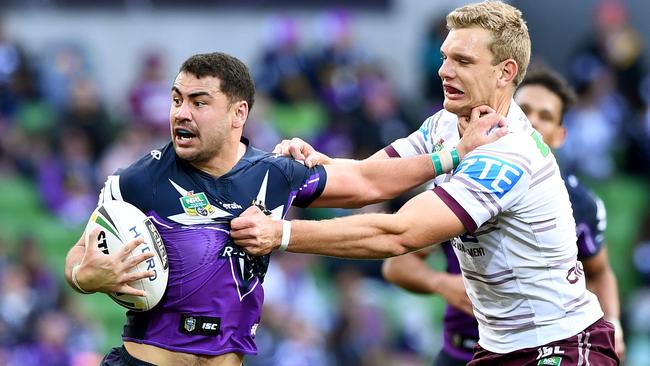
{"x": 505, "y": 209}
{"x": 544, "y": 97}
{"x": 212, "y": 305}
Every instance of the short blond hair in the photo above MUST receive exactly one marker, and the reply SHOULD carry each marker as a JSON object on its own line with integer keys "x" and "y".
{"x": 510, "y": 37}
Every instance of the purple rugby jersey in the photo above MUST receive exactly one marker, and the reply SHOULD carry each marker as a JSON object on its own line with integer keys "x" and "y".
{"x": 214, "y": 296}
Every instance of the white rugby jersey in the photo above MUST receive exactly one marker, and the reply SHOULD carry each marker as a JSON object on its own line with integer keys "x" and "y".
{"x": 518, "y": 258}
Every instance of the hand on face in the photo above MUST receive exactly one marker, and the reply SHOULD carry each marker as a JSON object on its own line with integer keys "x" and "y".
{"x": 99, "y": 272}
{"x": 483, "y": 127}
{"x": 256, "y": 232}
{"x": 301, "y": 150}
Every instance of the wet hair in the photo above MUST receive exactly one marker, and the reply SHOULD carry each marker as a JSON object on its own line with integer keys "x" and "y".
{"x": 510, "y": 37}
{"x": 552, "y": 81}
{"x": 236, "y": 81}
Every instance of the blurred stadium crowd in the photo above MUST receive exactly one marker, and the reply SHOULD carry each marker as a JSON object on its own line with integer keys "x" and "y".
{"x": 59, "y": 140}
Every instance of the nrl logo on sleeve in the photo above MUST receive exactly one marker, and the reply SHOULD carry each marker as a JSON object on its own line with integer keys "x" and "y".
{"x": 196, "y": 204}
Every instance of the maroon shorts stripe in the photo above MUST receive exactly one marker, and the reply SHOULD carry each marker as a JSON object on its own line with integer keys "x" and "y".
{"x": 594, "y": 346}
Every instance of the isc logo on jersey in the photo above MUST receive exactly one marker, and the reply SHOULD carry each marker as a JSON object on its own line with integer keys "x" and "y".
{"x": 496, "y": 175}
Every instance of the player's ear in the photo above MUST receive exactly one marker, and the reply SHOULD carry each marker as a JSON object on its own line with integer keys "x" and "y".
{"x": 240, "y": 109}
{"x": 509, "y": 71}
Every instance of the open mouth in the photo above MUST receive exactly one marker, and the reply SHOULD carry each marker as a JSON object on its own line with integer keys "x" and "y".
{"x": 450, "y": 90}
{"x": 184, "y": 134}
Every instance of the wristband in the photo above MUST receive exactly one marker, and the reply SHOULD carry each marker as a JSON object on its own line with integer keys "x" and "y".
{"x": 286, "y": 235}
{"x": 74, "y": 279}
{"x": 455, "y": 158}
{"x": 444, "y": 161}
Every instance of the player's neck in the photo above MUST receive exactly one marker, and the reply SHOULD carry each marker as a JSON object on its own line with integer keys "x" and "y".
{"x": 502, "y": 104}
{"x": 225, "y": 160}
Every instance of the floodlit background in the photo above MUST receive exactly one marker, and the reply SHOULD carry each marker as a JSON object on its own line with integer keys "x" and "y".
{"x": 84, "y": 90}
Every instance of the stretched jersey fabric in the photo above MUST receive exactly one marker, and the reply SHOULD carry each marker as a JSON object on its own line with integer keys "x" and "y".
{"x": 518, "y": 257}
{"x": 214, "y": 295}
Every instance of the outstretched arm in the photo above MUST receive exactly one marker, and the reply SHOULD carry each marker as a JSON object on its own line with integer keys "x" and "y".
{"x": 423, "y": 220}
{"x": 374, "y": 180}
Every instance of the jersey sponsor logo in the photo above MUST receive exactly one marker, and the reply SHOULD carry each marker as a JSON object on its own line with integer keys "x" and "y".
{"x": 457, "y": 243}
{"x": 246, "y": 270}
{"x": 546, "y": 357}
{"x": 551, "y": 361}
{"x": 231, "y": 206}
{"x": 200, "y": 325}
{"x": 214, "y": 214}
{"x": 159, "y": 246}
{"x": 196, "y": 204}
{"x": 575, "y": 273}
{"x": 496, "y": 175}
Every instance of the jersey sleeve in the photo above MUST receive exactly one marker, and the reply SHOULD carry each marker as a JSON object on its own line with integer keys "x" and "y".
{"x": 307, "y": 184}
{"x": 133, "y": 185}
{"x": 591, "y": 221}
{"x": 486, "y": 183}
{"x": 417, "y": 143}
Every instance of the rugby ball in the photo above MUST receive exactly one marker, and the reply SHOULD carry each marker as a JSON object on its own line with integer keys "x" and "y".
{"x": 119, "y": 223}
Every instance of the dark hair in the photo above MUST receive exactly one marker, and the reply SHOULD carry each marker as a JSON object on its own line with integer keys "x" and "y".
{"x": 554, "y": 83}
{"x": 236, "y": 81}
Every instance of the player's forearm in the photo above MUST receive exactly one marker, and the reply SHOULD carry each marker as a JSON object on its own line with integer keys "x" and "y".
{"x": 392, "y": 177}
{"x": 370, "y": 236}
{"x": 75, "y": 255}
{"x": 410, "y": 272}
{"x": 605, "y": 287}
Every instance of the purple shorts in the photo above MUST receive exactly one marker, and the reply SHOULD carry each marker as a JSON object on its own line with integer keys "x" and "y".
{"x": 592, "y": 346}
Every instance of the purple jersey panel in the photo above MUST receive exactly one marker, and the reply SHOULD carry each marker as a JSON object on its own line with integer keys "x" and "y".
{"x": 207, "y": 283}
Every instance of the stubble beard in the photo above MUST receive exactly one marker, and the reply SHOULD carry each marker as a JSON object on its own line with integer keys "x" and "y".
{"x": 198, "y": 155}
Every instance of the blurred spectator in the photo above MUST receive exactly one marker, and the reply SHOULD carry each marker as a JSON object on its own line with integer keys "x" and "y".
{"x": 86, "y": 114}
{"x": 18, "y": 304}
{"x": 40, "y": 278}
{"x": 432, "y": 60}
{"x": 259, "y": 127}
{"x": 617, "y": 44}
{"x": 594, "y": 125}
{"x": 637, "y": 132}
{"x": 382, "y": 119}
{"x": 337, "y": 61}
{"x": 130, "y": 144}
{"x": 284, "y": 73}
{"x": 62, "y": 64}
{"x": 149, "y": 96}
{"x": 297, "y": 313}
{"x": 360, "y": 333}
{"x": 67, "y": 180}
{"x": 13, "y": 65}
